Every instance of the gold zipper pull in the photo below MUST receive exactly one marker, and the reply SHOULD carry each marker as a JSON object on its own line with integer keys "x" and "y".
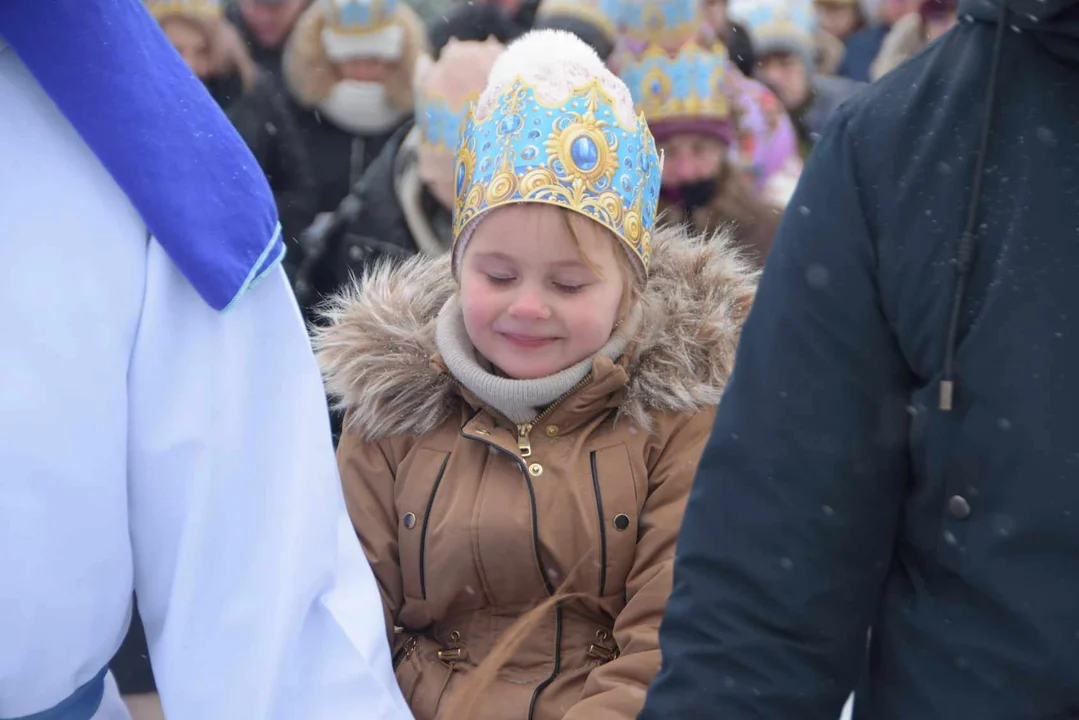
{"x": 523, "y": 443}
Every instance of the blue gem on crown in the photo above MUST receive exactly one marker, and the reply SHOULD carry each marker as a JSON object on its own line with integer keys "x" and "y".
{"x": 692, "y": 84}
{"x": 576, "y": 155}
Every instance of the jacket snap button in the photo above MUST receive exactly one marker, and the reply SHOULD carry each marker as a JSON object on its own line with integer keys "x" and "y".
{"x": 551, "y": 430}
{"x": 958, "y": 507}
{"x": 535, "y": 469}
{"x": 355, "y": 254}
{"x": 410, "y": 520}
{"x": 621, "y": 521}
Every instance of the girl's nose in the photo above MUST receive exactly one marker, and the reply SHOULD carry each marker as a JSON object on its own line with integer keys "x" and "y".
{"x": 529, "y": 304}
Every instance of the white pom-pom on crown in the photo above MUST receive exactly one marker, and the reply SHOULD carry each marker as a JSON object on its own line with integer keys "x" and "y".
{"x": 554, "y": 62}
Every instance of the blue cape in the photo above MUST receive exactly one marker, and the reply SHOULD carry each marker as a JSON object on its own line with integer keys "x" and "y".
{"x": 112, "y": 72}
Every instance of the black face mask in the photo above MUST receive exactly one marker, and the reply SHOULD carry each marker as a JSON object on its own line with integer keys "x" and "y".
{"x": 692, "y": 195}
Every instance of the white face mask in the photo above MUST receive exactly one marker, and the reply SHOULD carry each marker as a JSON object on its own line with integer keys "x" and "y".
{"x": 361, "y": 107}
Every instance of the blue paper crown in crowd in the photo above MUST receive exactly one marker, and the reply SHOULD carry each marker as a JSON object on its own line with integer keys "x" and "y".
{"x": 692, "y": 84}
{"x": 164, "y": 8}
{"x": 360, "y": 16}
{"x": 575, "y": 154}
{"x": 440, "y": 124}
{"x": 660, "y": 21}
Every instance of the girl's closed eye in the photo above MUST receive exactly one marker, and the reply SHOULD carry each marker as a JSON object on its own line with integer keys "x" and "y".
{"x": 571, "y": 288}
{"x": 499, "y": 278}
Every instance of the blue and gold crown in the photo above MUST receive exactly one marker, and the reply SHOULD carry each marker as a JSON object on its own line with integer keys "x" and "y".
{"x": 440, "y": 124}
{"x": 575, "y": 154}
{"x": 360, "y": 16}
{"x": 662, "y": 21}
{"x": 165, "y": 8}
{"x": 691, "y": 85}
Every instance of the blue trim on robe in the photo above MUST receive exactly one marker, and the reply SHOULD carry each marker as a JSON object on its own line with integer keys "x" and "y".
{"x": 115, "y": 76}
{"x": 80, "y": 705}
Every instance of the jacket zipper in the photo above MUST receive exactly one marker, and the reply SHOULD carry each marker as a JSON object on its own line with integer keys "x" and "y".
{"x": 539, "y": 562}
{"x": 602, "y": 526}
{"x": 423, "y": 530}
{"x": 405, "y": 651}
{"x": 524, "y": 444}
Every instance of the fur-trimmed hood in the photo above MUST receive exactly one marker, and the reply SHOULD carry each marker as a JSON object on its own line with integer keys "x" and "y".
{"x": 310, "y": 76}
{"x": 378, "y": 345}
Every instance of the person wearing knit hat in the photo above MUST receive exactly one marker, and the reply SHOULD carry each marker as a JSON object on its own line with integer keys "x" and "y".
{"x": 688, "y": 99}
{"x": 596, "y": 22}
{"x": 783, "y": 32}
{"x": 524, "y": 416}
{"x": 252, "y": 100}
{"x": 913, "y": 32}
{"x": 350, "y": 63}
{"x": 405, "y": 198}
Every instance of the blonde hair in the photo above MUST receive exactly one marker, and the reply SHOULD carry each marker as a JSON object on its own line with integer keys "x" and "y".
{"x": 632, "y": 287}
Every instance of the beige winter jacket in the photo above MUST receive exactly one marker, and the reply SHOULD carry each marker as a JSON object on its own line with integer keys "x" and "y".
{"x": 469, "y": 520}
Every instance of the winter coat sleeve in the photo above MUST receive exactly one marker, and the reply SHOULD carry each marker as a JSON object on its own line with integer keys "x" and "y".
{"x": 789, "y": 529}
{"x": 616, "y": 690}
{"x": 367, "y": 474}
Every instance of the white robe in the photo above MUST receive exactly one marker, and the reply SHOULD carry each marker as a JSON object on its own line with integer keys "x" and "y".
{"x": 148, "y": 441}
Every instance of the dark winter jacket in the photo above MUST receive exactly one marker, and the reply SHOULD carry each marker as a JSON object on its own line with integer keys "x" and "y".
{"x": 398, "y": 216}
{"x": 265, "y": 121}
{"x": 862, "y": 49}
{"x": 828, "y": 93}
{"x": 835, "y": 493}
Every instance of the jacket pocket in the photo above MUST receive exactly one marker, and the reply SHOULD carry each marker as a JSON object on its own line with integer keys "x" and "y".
{"x": 617, "y": 515}
{"x": 423, "y": 679}
{"x": 417, "y": 501}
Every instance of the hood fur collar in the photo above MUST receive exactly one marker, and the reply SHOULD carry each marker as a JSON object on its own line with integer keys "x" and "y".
{"x": 377, "y": 346}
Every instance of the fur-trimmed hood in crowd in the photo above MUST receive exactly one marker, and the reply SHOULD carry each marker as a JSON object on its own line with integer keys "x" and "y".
{"x": 379, "y": 356}
{"x": 310, "y": 76}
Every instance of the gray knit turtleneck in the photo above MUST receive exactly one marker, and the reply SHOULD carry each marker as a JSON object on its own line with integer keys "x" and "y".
{"x": 518, "y": 400}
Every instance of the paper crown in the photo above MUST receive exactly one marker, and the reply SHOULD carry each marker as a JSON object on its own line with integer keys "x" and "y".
{"x": 662, "y": 22}
{"x": 576, "y": 154}
{"x": 605, "y": 15}
{"x": 362, "y": 29}
{"x": 165, "y": 8}
{"x": 359, "y": 17}
{"x": 694, "y": 84}
{"x": 777, "y": 22}
{"x": 439, "y": 123}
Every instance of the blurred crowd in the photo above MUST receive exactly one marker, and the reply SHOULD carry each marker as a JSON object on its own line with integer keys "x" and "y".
{"x": 353, "y": 115}
{"x": 353, "y": 110}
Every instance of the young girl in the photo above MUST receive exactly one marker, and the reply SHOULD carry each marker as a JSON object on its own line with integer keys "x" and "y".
{"x": 525, "y": 416}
